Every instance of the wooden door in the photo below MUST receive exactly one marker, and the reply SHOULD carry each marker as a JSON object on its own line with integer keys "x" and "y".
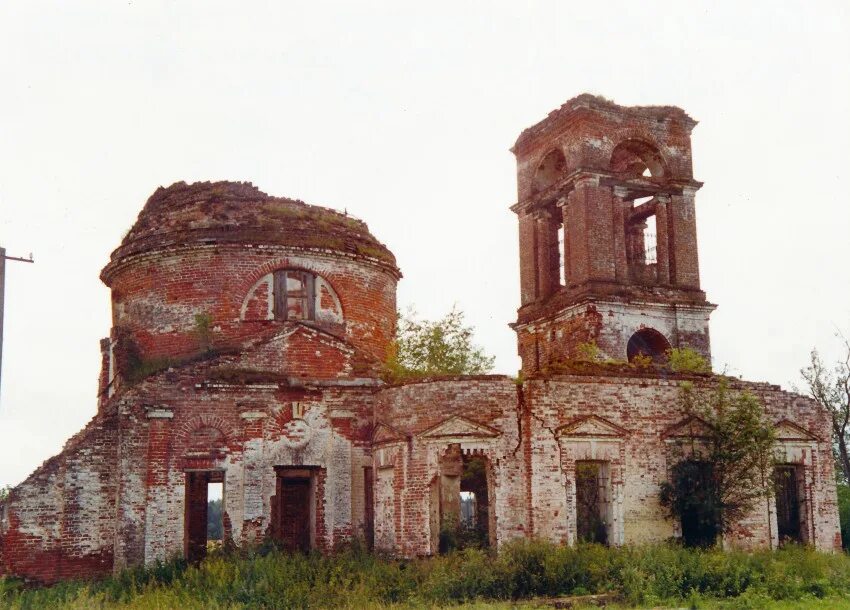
{"x": 195, "y": 518}
{"x": 295, "y": 514}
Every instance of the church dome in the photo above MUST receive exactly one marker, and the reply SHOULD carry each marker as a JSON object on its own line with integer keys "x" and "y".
{"x": 239, "y": 213}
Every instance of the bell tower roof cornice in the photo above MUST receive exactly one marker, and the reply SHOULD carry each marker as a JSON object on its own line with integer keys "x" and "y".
{"x": 585, "y": 106}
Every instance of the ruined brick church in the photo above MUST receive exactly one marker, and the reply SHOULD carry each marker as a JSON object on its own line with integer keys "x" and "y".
{"x": 246, "y": 350}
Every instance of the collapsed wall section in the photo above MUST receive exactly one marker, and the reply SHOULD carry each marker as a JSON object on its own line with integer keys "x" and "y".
{"x": 59, "y": 523}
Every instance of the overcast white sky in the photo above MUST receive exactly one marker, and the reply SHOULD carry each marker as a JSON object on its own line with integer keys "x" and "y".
{"x": 403, "y": 113}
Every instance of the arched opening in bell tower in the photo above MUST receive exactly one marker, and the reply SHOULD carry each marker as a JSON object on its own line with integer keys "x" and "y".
{"x": 550, "y": 169}
{"x": 648, "y": 342}
{"x": 637, "y": 159}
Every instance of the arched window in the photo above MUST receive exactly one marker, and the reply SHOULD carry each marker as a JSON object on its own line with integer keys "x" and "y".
{"x": 648, "y": 342}
{"x": 294, "y": 295}
{"x": 550, "y": 169}
{"x": 635, "y": 158}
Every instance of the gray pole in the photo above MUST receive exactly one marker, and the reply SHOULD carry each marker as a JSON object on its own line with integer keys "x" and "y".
{"x": 2, "y": 290}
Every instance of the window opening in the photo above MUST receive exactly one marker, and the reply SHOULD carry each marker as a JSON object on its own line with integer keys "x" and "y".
{"x": 650, "y": 254}
{"x": 593, "y": 501}
{"x": 467, "y": 509}
{"x": 636, "y": 159}
{"x": 294, "y": 295}
{"x": 215, "y": 521}
{"x": 788, "y": 514}
{"x": 474, "y": 500}
{"x": 562, "y": 267}
{"x": 641, "y": 231}
{"x": 551, "y": 168}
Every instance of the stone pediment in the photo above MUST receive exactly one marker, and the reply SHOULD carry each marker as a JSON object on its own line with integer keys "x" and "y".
{"x": 459, "y": 427}
{"x": 384, "y": 434}
{"x": 787, "y": 430}
{"x": 690, "y": 427}
{"x": 592, "y": 426}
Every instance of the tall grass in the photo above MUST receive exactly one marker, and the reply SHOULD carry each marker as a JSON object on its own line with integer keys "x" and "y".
{"x": 355, "y": 579}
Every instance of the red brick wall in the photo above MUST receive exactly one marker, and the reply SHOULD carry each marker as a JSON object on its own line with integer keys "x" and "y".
{"x": 598, "y": 198}
{"x": 157, "y": 296}
{"x": 645, "y": 409}
{"x": 417, "y": 411}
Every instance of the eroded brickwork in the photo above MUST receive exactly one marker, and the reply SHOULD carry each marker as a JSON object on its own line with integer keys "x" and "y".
{"x": 607, "y": 226}
{"x": 248, "y": 337}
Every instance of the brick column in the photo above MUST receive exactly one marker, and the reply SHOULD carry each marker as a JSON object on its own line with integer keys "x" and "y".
{"x": 157, "y": 514}
{"x": 589, "y": 220}
{"x": 621, "y": 270}
{"x": 576, "y": 261}
{"x": 682, "y": 237}
{"x": 527, "y": 258}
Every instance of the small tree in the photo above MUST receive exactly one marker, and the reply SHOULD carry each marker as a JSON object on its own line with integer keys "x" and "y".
{"x": 435, "y": 347}
{"x": 687, "y": 360}
{"x": 727, "y": 471}
{"x": 831, "y": 389}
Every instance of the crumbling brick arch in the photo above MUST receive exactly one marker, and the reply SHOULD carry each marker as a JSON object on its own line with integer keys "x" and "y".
{"x": 205, "y": 433}
{"x": 552, "y": 166}
{"x": 635, "y": 157}
{"x": 263, "y": 301}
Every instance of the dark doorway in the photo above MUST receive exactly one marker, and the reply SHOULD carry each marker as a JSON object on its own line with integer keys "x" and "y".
{"x": 475, "y": 500}
{"x": 699, "y": 504}
{"x": 786, "y": 490}
{"x": 196, "y": 517}
{"x": 592, "y": 501}
{"x": 292, "y": 509}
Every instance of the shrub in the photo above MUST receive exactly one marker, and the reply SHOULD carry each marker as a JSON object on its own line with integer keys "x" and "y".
{"x": 687, "y": 360}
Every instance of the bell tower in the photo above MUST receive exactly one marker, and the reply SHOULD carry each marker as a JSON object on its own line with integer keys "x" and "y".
{"x": 607, "y": 234}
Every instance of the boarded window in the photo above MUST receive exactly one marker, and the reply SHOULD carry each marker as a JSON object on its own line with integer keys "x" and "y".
{"x": 294, "y": 295}
{"x": 593, "y": 501}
